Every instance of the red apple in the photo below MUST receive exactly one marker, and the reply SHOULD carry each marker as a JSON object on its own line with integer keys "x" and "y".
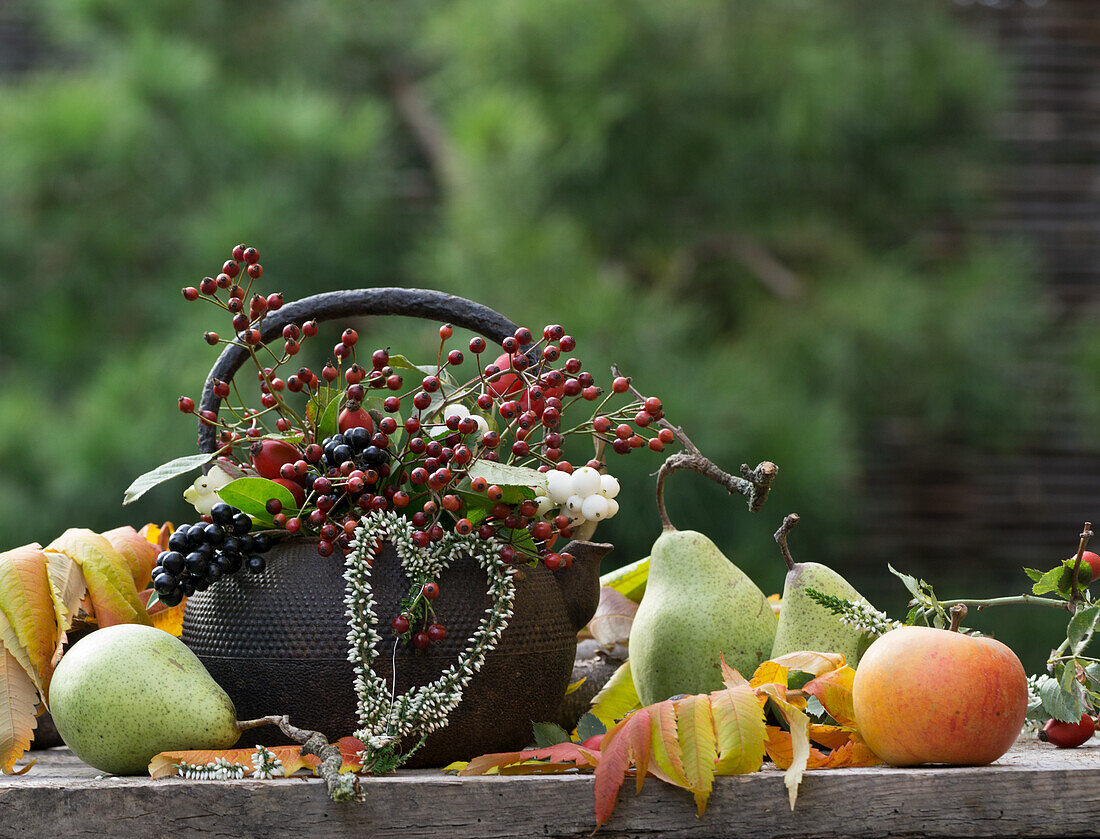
{"x": 924, "y": 695}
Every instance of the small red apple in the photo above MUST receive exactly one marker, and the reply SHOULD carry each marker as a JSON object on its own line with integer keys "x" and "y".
{"x": 1093, "y": 562}
{"x": 924, "y": 695}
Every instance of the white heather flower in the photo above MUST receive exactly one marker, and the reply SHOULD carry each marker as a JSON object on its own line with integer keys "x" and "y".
{"x": 203, "y": 494}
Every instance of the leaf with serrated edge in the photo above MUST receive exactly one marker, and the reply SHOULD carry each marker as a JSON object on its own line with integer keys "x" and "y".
{"x": 18, "y": 704}
{"x": 26, "y": 602}
{"x": 738, "y": 730}
{"x": 617, "y": 698}
{"x": 164, "y": 472}
{"x": 10, "y": 641}
{"x": 626, "y": 743}
{"x": 834, "y": 692}
{"x": 1082, "y": 624}
{"x": 695, "y": 727}
{"x": 110, "y": 586}
{"x": 139, "y": 553}
{"x": 667, "y": 757}
{"x": 67, "y": 588}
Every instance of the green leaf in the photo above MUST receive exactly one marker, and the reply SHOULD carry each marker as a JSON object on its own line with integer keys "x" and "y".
{"x": 1093, "y": 672}
{"x": 250, "y": 495}
{"x": 618, "y": 698}
{"x": 330, "y": 419}
{"x": 909, "y": 582}
{"x": 1081, "y": 624}
{"x": 164, "y": 472}
{"x": 1048, "y": 582}
{"x": 1063, "y": 698}
{"x": 589, "y": 726}
{"x": 549, "y": 734}
{"x": 1035, "y": 574}
{"x": 506, "y": 475}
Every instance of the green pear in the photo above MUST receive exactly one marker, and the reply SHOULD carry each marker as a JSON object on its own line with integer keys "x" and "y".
{"x": 804, "y": 624}
{"x": 122, "y": 694}
{"x": 697, "y": 607}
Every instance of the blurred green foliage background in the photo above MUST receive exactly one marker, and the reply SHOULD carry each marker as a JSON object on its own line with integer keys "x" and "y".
{"x": 765, "y": 212}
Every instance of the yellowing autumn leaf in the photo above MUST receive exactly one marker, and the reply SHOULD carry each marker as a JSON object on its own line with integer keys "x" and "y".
{"x": 810, "y": 662}
{"x": 27, "y": 604}
{"x": 617, "y": 698}
{"x": 738, "y": 729}
{"x": 614, "y": 616}
{"x": 110, "y": 583}
{"x": 18, "y": 701}
{"x": 695, "y": 727}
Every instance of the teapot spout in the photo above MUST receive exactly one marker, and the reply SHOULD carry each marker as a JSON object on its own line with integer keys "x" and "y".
{"x": 580, "y": 583}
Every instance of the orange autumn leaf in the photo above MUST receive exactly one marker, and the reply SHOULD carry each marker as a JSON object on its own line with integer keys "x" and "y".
{"x": 780, "y": 748}
{"x": 834, "y": 692}
{"x": 27, "y": 604}
{"x": 830, "y": 736}
{"x": 561, "y": 756}
{"x": 167, "y": 618}
{"x": 111, "y": 589}
{"x": 627, "y": 742}
{"x": 139, "y": 553}
{"x": 157, "y": 534}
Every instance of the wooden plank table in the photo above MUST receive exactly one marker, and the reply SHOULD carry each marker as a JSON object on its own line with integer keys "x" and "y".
{"x": 62, "y": 797}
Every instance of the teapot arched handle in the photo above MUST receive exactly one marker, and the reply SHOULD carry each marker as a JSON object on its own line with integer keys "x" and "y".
{"x": 409, "y": 302}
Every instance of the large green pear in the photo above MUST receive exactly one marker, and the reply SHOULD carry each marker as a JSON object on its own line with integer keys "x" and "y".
{"x": 697, "y": 607}
{"x": 804, "y": 624}
{"x": 122, "y": 694}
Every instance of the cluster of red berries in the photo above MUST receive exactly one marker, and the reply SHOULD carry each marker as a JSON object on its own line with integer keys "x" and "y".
{"x": 418, "y": 610}
{"x": 415, "y": 447}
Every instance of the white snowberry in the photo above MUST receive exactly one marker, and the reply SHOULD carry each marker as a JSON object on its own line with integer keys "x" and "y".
{"x": 609, "y": 486}
{"x": 586, "y": 481}
{"x": 594, "y": 507}
{"x": 559, "y": 486}
{"x": 573, "y": 505}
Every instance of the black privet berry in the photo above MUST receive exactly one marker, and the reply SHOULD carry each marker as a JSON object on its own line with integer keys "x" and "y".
{"x": 214, "y": 534}
{"x": 256, "y": 564}
{"x": 241, "y": 524}
{"x": 172, "y": 599}
{"x": 232, "y": 545}
{"x": 357, "y": 438}
{"x": 178, "y": 540}
{"x": 164, "y": 583}
{"x": 200, "y": 583}
{"x": 171, "y": 562}
{"x": 222, "y": 513}
{"x": 196, "y": 562}
{"x": 247, "y": 543}
{"x": 261, "y": 543}
{"x": 341, "y": 453}
{"x": 374, "y": 456}
{"x": 213, "y": 572}
{"x": 187, "y": 586}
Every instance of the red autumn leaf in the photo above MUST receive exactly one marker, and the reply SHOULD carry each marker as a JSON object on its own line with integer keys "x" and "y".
{"x": 627, "y": 742}
{"x": 834, "y": 691}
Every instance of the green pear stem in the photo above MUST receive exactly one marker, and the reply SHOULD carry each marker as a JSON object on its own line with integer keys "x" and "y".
{"x": 780, "y": 536}
{"x": 340, "y": 788}
{"x": 755, "y": 483}
{"x": 957, "y": 612}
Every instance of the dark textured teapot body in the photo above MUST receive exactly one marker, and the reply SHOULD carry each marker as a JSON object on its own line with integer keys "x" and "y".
{"x": 277, "y": 643}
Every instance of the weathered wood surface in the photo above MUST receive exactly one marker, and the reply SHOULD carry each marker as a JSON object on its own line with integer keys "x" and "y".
{"x": 63, "y": 797}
